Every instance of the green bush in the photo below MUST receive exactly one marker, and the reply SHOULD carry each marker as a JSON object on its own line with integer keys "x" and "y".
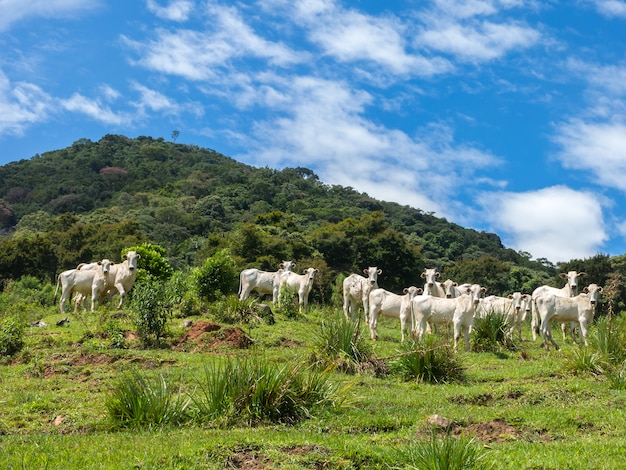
{"x": 11, "y": 337}
{"x": 217, "y": 277}
{"x": 430, "y": 359}
{"x": 288, "y": 302}
{"x": 138, "y": 402}
{"x": 150, "y": 310}
{"x": 253, "y": 392}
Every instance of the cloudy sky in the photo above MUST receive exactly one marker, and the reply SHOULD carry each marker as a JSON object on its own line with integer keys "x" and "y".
{"x": 507, "y": 116}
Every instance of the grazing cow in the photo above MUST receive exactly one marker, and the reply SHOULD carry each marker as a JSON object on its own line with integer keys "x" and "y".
{"x": 356, "y": 289}
{"x": 580, "y": 309}
{"x": 393, "y": 306}
{"x": 263, "y": 282}
{"x": 459, "y": 311}
{"x": 303, "y": 283}
{"x": 122, "y": 275}
{"x": 569, "y": 290}
{"x": 513, "y": 307}
{"x": 83, "y": 282}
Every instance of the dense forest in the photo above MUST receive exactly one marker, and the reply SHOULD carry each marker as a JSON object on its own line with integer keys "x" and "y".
{"x": 93, "y": 199}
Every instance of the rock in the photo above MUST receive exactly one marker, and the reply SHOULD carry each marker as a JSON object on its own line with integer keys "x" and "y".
{"x": 187, "y": 323}
{"x": 63, "y": 321}
{"x": 440, "y": 421}
{"x": 39, "y": 323}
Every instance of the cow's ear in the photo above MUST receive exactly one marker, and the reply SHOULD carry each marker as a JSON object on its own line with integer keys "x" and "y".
{"x": 563, "y": 276}
{"x": 125, "y": 256}
{"x": 437, "y": 274}
{"x": 405, "y": 290}
{"x": 365, "y": 271}
{"x": 582, "y": 274}
{"x": 379, "y": 272}
{"x": 586, "y": 290}
{"x": 420, "y": 291}
{"x": 599, "y": 289}
{"x": 509, "y": 296}
{"x": 99, "y": 263}
{"x": 138, "y": 256}
{"x": 423, "y": 275}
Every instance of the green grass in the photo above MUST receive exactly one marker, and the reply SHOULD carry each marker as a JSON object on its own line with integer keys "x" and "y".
{"x": 525, "y": 408}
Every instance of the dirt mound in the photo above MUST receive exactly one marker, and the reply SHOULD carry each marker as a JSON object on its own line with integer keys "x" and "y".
{"x": 490, "y": 431}
{"x": 211, "y": 335}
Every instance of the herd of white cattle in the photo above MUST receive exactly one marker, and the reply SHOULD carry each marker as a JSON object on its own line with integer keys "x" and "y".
{"x": 100, "y": 280}
{"x": 420, "y": 310}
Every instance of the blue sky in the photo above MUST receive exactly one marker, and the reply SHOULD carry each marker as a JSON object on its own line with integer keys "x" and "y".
{"x": 507, "y": 116}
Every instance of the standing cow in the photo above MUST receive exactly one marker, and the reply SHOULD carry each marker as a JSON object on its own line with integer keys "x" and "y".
{"x": 570, "y": 289}
{"x": 122, "y": 275}
{"x": 302, "y": 283}
{"x": 578, "y": 309}
{"x": 356, "y": 289}
{"x": 263, "y": 282}
{"x": 388, "y": 304}
{"x": 83, "y": 283}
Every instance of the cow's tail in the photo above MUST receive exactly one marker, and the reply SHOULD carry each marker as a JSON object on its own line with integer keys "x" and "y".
{"x": 56, "y": 291}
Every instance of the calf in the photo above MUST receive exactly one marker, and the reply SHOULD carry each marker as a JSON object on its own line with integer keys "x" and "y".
{"x": 459, "y": 311}
{"x": 83, "y": 282}
{"x": 383, "y": 302}
{"x": 357, "y": 288}
{"x": 580, "y": 309}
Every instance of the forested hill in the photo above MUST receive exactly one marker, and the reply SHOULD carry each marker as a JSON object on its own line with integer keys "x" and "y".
{"x": 92, "y": 199}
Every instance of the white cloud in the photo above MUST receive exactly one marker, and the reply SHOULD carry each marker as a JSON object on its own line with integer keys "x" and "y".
{"x": 12, "y": 11}
{"x": 78, "y": 103}
{"x": 176, "y": 10}
{"x": 598, "y": 148}
{"x": 556, "y": 223}
{"x": 611, "y": 7}
{"x": 22, "y": 104}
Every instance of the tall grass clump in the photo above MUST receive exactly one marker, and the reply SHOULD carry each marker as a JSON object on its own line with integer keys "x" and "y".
{"x": 431, "y": 359}
{"x": 585, "y": 359}
{"x": 490, "y": 333}
{"x": 230, "y": 309}
{"x": 341, "y": 343}
{"x": 250, "y": 392}
{"x": 446, "y": 453}
{"x": 609, "y": 338}
{"x": 145, "y": 402}
{"x": 617, "y": 378}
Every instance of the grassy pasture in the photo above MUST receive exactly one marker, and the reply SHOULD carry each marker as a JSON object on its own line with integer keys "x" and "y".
{"x": 523, "y": 408}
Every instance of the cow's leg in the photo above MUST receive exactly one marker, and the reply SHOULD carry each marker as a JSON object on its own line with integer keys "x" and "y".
{"x": 366, "y": 306}
{"x": 583, "y": 332}
{"x": 373, "y": 323}
{"x": 346, "y": 306}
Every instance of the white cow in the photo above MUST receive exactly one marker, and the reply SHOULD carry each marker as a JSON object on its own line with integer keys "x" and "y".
{"x": 122, "y": 275}
{"x": 388, "y": 304}
{"x": 513, "y": 307}
{"x": 580, "y": 309}
{"x": 303, "y": 283}
{"x": 356, "y": 289}
{"x": 459, "y": 311}
{"x": 88, "y": 282}
{"x": 568, "y": 290}
{"x": 263, "y": 282}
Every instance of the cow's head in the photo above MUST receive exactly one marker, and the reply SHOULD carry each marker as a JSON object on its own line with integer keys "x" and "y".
{"x": 572, "y": 281}
{"x": 105, "y": 264}
{"x": 449, "y": 287}
{"x": 593, "y": 291}
{"x": 288, "y": 265}
{"x": 476, "y": 292}
{"x": 132, "y": 257}
{"x": 430, "y": 275}
{"x": 372, "y": 275}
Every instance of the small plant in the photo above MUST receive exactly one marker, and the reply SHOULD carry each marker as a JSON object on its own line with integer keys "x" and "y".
{"x": 150, "y": 311}
{"x": 490, "y": 333}
{"x": 288, "y": 302}
{"x": 11, "y": 337}
{"x": 217, "y": 277}
{"x": 429, "y": 360}
{"x": 138, "y": 402}
{"x": 232, "y": 310}
{"x": 341, "y": 343}
{"x": 617, "y": 379}
{"x": 447, "y": 453}
{"x": 253, "y": 392}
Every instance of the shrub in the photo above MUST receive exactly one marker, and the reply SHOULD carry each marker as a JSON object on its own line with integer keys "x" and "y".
{"x": 253, "y": 392}
{"x": 150, "y": 311}
{"x": 447, "y": 453}
{"x": 429, "y": 360}
{"x": 138, "y": 402}
{"x": 490, "y": 333}
{"x": 217, "y": 277}
{"x": 232, "y": 310}
{"x": 341, "y": 343}
{"x": 288, "y": 302}
{"x": 11, "y": 337}
{"x": 609, "y": 338}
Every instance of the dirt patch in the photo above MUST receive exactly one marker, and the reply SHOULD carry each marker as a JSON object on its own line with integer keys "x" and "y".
{"x": 209, "y": 335}
{"x": 287, "y": 343}
{"x": 491, "y": 431}
{"x": 248, "y": 460}
{"x": 92, "y": 359}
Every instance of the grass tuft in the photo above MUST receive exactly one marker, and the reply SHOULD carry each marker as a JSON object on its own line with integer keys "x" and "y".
{"x": 429, "y": 360}
{"x": 490, "y": 333}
